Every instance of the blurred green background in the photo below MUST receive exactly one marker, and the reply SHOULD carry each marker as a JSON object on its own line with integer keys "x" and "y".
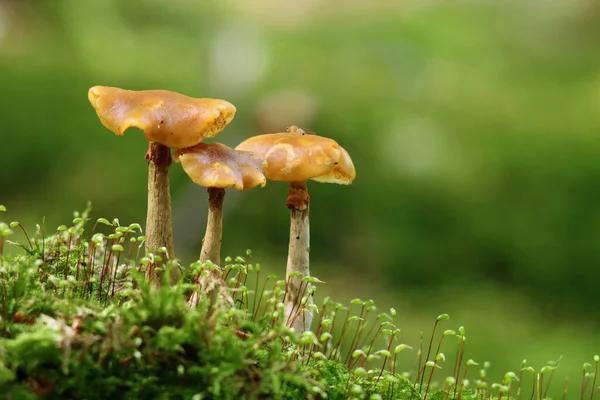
{"x": 473, "y": 126}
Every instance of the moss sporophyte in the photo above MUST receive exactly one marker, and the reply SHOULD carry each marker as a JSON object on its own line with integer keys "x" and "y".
{"x": 81, "y": 321}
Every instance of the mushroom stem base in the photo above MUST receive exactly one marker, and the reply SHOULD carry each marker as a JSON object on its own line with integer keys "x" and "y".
{"x": 211, "y": 244}
{"x": 297, "y": 314}
{"x": 159, "y": 230}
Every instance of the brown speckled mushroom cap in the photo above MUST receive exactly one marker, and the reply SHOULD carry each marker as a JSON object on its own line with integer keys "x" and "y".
{"x": 296, "y": 156}
{"x": 215, "y": 165}
{"x": 168, "y": 118}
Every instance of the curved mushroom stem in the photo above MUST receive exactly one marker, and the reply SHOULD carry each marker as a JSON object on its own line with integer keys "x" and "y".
{"x": 159, "y": 230}
{"x": 297, "y": 315}
{"x": 211, "y": 244}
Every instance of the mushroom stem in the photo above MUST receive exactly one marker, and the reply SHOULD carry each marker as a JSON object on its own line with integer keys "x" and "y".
{"x": 298, "y": 258}
{"x": 159, "y": 230}
{"x": 211, "y": 244}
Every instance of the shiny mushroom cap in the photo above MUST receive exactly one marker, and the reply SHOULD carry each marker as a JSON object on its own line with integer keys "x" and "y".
{"x": 168, "y": 118}
{"x": 215, "y": 165}
{"x": 296, "y": 156}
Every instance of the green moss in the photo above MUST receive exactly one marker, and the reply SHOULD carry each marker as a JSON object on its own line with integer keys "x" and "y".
{"x": 79, "y": 321}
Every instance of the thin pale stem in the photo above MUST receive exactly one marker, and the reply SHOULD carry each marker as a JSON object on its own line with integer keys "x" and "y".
{"x": 298, "y": 253}
{"x": 159, "y": 229}
{"x": 211, "y": 244}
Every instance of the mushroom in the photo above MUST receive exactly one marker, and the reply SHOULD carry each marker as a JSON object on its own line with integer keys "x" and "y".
{"x": 217, "y": 167}
{"x": 168, "y": 120}
{"x": 296, "y": 157}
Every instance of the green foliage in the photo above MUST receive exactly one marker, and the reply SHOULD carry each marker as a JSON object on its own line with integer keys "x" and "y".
{"x": 79, "y": 321}
{"x": 65, "y": 330}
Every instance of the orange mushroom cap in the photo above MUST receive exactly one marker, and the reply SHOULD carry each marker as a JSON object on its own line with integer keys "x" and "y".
{"x": 168, "y": 118}
{"x": 296, "y": 156}
{"x": 215, "y": 165}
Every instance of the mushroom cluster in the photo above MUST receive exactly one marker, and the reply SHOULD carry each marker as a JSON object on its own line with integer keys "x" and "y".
{"x": 171, "y": 120}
